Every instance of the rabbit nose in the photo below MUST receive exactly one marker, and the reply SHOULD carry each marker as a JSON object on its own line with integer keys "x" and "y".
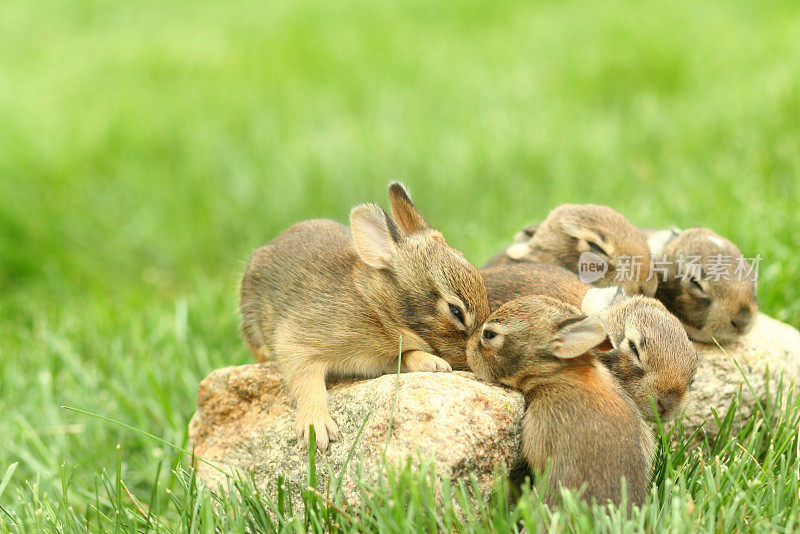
{"x": 740, "y": 325}
{"x": 741, "y": 321}
{"x": 667, "y": 403}
{"x": 670, "y": 400}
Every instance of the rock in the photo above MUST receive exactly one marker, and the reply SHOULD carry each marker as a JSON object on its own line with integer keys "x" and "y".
{"x": 464, "y": 427}
{"x": 245, "y": 419}
{"x": 771, "y": 345}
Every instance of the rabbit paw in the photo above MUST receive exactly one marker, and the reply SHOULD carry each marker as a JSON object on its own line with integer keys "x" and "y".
{"x": 325, "y": 429}
{"x": 417, "y": 360}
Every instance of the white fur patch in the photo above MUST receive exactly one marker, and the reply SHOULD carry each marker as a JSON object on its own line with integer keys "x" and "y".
{"x": 518, "y": 250}
{"x": 598, "y": 299}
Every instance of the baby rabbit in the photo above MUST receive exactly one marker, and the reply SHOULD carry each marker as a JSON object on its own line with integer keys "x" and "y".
{"x": 320, "y": 301}
{"x": 571, "y": 230}
{"x": 651, "y": 355}
{"x": 578, "y": 417}
{"x": 706, "y": 283}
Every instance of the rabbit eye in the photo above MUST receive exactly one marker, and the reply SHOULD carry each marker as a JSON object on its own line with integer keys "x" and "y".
{"x": 457, "y": 313}
{"x": 489, "y": 334}
{"x": 596, "y": 248}
{"x": 634, "y": 350}
{"x": 695, "y": 283}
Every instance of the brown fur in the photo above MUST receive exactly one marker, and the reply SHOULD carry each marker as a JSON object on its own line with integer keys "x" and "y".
{"x": 572, "y": 229}
{"x": 667, "y": 360}
{"x": 321, "y": 300}
{"x": 719, "y": 309}
{"x": 578, "y": 418}
{"x": 511, "y": 281}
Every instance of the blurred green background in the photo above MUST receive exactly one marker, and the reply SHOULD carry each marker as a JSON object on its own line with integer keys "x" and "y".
{"x": 146, "y": 148}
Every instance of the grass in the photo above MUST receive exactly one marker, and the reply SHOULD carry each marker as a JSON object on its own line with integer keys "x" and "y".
{"x": 745, "y": 480}
{"x": 146, "y": 148}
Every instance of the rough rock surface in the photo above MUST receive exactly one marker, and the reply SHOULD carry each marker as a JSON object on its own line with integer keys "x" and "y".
{"x": 245, "y": 419}
{"x": 771, "y": 345}
{"x": 464, "y": 427}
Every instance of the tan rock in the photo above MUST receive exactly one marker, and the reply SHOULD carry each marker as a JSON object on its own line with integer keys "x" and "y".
{"x": 464, "y": 427}
{"x": 245, "y": 419}
{"x": 771, "y": 345}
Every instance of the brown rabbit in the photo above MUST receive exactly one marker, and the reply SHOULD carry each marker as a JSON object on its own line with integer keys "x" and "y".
{"x": 321, "y": 301}
{"x": 651, "y": 357}
{"x": 578, "y": 417}
{"x": 702, "y": 285}
{"x": 572, "y": 232}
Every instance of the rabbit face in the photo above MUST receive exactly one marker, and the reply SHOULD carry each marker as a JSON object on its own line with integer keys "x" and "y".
{"x": 531, "y": 338}
{"x": 652, "y": 356}
{"x": 708, "y": 287}
{"x": 441, "y": 296}
{"x": 429, "y": 286}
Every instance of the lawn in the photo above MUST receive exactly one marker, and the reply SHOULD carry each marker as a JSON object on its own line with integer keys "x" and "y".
{"x": 146, "y": 148}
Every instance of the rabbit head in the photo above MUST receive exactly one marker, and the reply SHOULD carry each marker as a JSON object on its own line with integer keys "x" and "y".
{"x": 531, "y": 338}
{"x": 707, "y": 284}
{"x": 651, "y": 355}
{"x": 426, "y": 285}
{"x": 571, "y": 231}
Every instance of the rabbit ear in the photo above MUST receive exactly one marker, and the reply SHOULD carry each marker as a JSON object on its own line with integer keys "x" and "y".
{"x": 578, "y": 335}
{"x": 375, "y": 235}
{"x": 598, "y": 299}
{"x": 587, "y": 235}
{"x": 404, "y": 212}
{"x": 525, "y": 235}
